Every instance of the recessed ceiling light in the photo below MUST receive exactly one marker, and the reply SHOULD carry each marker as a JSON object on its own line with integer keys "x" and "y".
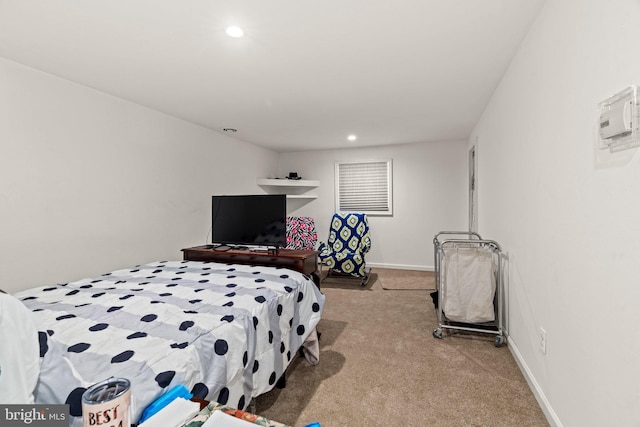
{"x": 352, "y": 137}
{"x": 234, "y": 31}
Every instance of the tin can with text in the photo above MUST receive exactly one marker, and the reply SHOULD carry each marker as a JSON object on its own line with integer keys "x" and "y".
{"x": 107, "y": 404}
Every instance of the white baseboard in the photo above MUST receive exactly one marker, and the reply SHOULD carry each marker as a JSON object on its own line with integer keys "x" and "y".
{"x": 401, "y": 266}
{"x": 548, "y": 411}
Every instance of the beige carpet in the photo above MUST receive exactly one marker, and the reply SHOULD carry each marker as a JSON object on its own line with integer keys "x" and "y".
{"x": 391, "y": 279}
{"x": 380, "y": 366}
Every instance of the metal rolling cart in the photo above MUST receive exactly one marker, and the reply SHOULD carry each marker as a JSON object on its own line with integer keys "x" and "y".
{"x": 468, "y": 273}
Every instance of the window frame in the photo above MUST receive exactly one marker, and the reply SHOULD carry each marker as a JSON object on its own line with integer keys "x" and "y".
{"x": 389, "y": 187}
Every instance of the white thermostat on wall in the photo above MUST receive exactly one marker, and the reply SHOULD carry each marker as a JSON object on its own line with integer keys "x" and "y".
{"x": 619, "y": 121}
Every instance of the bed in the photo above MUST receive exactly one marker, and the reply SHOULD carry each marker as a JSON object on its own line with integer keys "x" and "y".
{"x": 227, "y": 332}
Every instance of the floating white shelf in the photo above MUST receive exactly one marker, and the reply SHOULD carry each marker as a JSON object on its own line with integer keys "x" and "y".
{"x": 293, "y": 188}
{"x": 272, "y": 182}
{"x": 301, "y": 196}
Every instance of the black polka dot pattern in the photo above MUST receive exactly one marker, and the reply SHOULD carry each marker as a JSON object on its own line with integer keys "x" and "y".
{"x": 122, "y": 357}
{"x": 241, "y": 403}
{"x": 223, "y": 396}
{"x": 137, "y": 335}
{"x": 181, "y": 345}
{"x": 186, "y": 325}
{"x": 42, "y": 340}
{"x": 221, "y": 347}
{"x": 200, "y": 390}
{"x": 164, "y": 378}
{"x": 74, "y": 400}
{"x": 162, "y": 312}
{"x": 79, "y": 348}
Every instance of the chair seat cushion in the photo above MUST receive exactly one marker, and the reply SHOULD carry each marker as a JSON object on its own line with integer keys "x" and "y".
{"x": 351, "y": 263}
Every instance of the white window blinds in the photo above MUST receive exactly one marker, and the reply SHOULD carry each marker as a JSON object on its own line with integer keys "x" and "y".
{"x": 364, "y": 187}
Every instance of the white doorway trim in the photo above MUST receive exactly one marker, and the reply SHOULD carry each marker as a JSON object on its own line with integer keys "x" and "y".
{"x": 473, "y": 187}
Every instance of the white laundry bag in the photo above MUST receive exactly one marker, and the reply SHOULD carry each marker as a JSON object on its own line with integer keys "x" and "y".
{"x": 468, "y": 284}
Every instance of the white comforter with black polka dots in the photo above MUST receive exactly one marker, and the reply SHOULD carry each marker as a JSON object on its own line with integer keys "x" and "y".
{"x": 226, "y": 332}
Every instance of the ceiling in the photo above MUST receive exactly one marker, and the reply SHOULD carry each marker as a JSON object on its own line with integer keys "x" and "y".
{"x": 306, "y": 74}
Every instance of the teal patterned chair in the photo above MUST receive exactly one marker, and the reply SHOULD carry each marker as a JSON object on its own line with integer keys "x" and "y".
{"x": 348, "y": 242}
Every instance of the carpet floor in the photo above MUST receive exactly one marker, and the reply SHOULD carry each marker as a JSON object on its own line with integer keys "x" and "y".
{"x": 380, "y": 366}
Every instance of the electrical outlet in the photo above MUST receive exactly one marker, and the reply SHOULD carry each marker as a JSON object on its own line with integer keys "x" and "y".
{"x": 543, "y": 341}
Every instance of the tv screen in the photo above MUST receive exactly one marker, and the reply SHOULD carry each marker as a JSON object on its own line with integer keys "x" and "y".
{"x": 249, "y": 220}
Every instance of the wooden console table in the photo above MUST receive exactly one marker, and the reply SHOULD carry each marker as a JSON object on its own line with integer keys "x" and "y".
{"x": 306, "y": 262}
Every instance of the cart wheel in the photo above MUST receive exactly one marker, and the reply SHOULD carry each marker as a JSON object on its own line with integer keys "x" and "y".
{"x": 437, "y": 333}
{"x": 498, "y": 341}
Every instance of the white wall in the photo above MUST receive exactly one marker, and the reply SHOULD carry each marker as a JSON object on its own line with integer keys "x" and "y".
{"x": 567, "y": 214}
{"x": 429, "y": 195}
{"x": 89, "y": 182}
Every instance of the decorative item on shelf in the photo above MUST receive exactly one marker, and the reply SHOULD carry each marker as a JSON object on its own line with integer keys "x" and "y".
{"x": 293, "y": 175}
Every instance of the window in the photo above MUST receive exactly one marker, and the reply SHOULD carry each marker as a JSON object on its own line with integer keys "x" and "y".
{"x": 364, "y": 187}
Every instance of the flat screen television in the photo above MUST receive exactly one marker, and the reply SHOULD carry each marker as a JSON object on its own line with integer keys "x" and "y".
{"x": 249, "y": 220}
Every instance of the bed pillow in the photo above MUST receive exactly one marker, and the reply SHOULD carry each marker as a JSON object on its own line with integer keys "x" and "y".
{"x": 19, "y": 352}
